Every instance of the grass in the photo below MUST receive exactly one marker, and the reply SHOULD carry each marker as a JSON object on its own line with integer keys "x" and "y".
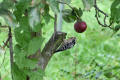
{"x": 94, "y": 44}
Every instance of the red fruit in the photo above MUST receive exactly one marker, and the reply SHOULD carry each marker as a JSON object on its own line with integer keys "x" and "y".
{"x": 80, "y": 26}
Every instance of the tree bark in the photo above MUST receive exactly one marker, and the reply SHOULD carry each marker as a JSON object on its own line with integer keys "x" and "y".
{"x": 47, "y": 52}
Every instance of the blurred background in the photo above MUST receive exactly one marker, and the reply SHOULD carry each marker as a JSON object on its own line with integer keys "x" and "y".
{"x": 96, "y": 54}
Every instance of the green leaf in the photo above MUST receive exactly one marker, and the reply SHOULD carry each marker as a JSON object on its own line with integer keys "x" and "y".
{"x": 22, "y": 33}
{"x": 17, "y": 73}
{"x": 46, "y": 14}
{"x": 68, "y": 16}
{"x": 77, "y": 12}
{"x": 21, "y": 60}
{"x": 22, "y": 36}
{"x": 34, "y": 45}
{"x": 24, "y": 23}
{"x": 21, "y": 6}
{"x": 117, "y": 27}
{"x": 6, "y": 4}
{"x": 54, "y": 5}
{"x": 36, "y": 75}
{"x": 108, "y": 74}
{"x": 88, "y": 4}
{"x": 38, "y": 27}
{"x": 19, "y": 56}
{"x": 115, "y": 11}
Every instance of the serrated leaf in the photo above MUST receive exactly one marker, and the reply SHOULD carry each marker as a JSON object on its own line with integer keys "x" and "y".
{"x": 34, "y": 45}
{"x": 21, "y": 60}
{"x": 36, "y": 75}
{"x": 22, "y": 33}
{"x": 68, "y": 16}
{"x": 77, "y": 12}
{"x": 24, "y": 23}
{"x": 115, "y": 11}
{"x": 17, "y": 73}
{"x": 54, "y": 5}
{"x": 20, "y": 8}
{"x": 38, "y": 27}
{"x": 22, "y": 36}
{"x": 19, "y": 56}
{"x": 88, "y": 4}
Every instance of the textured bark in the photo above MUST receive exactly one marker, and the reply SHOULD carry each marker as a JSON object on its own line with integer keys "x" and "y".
{"x": 47, "y": 52}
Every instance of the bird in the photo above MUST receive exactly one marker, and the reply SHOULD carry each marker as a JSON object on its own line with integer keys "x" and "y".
{"x": 66, "y": 44}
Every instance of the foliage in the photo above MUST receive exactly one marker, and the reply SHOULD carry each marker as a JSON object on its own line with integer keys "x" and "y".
{"x": 93, "y": 57}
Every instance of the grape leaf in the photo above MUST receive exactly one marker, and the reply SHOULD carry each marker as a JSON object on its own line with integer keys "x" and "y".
{"x": 22, "y": 33}
{"x": 34, "y": 45}
{"x": 21, "y": 60}
{"x": 17, "y": 73}
{"x": 36, "y": 75}
{"x": 68, "y": 16}
{"x": 22, "y": 36}
{"x": 21, "y": 6}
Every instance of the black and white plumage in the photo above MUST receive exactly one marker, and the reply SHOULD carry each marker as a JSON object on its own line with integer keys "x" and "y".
{"x": 66, "y": 44}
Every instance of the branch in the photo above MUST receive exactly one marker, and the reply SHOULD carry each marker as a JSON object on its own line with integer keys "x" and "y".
{"x": 11, "y": 48}
{"x": 47, "y": 52}
{"x": 55, "y": 24}
{"x": 97, "y": 15}
{"x": 6, "y": 42}
{"x": 4, "y": 26}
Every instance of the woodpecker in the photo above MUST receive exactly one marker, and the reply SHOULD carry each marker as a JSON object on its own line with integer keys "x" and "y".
{"x": 66, "y": 44}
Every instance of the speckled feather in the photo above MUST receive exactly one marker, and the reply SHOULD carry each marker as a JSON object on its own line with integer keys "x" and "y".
{"x": 67, "y": 44}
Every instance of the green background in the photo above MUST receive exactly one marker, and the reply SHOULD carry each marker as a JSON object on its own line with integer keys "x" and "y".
{"x": 96, "y": 43}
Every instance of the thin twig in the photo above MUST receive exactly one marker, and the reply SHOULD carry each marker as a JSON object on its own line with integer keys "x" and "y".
{"x": 65, "y": 3}
{"x": 71, "y": 8}
{"x": 97, "y": 15}
{"x": 4, "y": 26}
{"x": 6, "y": 42}
{"x": 55, "y": 24}
{"x": 11, "y": 49}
